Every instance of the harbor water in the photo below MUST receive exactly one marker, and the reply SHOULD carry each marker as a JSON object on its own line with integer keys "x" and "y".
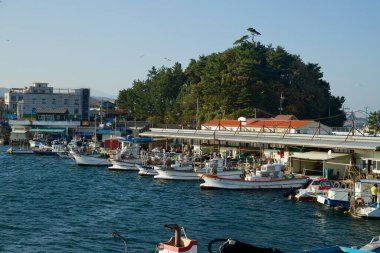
{"x": 49, "y": 204}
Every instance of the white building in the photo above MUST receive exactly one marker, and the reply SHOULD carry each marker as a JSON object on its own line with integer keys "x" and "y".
{"x": 268, "y": 126}
{"x": 26, "y": 101}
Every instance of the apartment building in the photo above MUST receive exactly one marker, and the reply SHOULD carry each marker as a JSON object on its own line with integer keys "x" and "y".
{"x": 28, "y": 101}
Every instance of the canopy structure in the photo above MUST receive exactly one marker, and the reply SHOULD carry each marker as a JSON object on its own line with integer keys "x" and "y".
{"x": 314, "y": 155}
{"x": 300, "y": 140}
{"x": 47, "y": 130}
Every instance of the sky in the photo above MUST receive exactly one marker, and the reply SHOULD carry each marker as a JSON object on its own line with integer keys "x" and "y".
{"x": 106, "y": 45}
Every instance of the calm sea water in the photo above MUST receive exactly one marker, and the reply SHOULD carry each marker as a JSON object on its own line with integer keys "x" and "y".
{"x": 49, "y": 204}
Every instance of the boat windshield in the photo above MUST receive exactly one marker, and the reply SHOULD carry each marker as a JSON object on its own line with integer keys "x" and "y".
{"x": 326, "y": 183}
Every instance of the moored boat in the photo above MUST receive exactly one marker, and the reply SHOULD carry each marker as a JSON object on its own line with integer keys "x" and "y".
{"x": 336, "y": 197}
{"x": 146, "y": 170}
{"x": 195, "y": 171}
{"x": 317, "y": 186}
{"x": 269, "y": 177}
{"x": 363, "y": 206}
{"x": 90, "y": 160}
{"x": 14, "y": 151}
{"x": 124, "y": 164}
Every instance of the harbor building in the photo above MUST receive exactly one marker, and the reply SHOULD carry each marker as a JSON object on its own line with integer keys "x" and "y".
{"x": 279, "y": 124}
{"x": 46, "y": 103}
{"x": 334, "y": 156}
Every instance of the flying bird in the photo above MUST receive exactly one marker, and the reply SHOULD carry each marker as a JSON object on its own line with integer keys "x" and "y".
{"x": 167, "y": 59}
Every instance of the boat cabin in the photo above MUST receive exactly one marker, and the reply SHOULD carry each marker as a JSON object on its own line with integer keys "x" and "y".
{"x": 363, "y": 189}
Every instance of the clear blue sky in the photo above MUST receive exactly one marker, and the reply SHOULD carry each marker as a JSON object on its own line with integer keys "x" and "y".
{"x": 105, "y": 45}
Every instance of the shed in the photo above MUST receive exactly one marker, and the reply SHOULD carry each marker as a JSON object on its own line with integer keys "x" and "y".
{"x": 318, "y": 163}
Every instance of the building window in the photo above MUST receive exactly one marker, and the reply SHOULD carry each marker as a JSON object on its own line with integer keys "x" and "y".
{"x": 34, "y": 100}
{"x": 44, "y": 101}
{"x": 34, "y": 110}
{"x": 54, "y": 101}
{"x": 65, "y": 101}
{"x": 76, "y": 101}
{"x": 76, "y": 110}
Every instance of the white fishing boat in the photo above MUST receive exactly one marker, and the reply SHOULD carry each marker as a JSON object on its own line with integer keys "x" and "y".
{"x": 335, "y": 197}
{"x": 14, "y": 151}
{"x": 269, "y": 177}
{"x": 316, "y": 187}
{"x": 35, "y": 143}
{"x": 90, "y": 160}
{"x": 363, "y": 206}
{"x": 146, "y": 170}
{"x": 127, "y": 157}
{"x": 194, "y": 171}
{"x": 125, "y": 164}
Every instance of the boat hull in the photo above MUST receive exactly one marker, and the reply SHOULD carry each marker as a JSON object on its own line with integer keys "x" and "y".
{"x": 125, "y": 165}
{"x": 332, "y": 202}
{"x": 215, "y": 182}
{"x": 172, "y": 174}
{"x": 146, "y": 170}
{"x": 85, "y": 160}
{"x": 368, "y": 212}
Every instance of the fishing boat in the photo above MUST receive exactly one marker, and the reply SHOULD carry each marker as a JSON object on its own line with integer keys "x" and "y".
{"x": 14, "y": 151}
{"x": 271, "y": 176}
{"x": 194, "y": 171}
{"x": 372, "y": 246}
{"x": 363, "y": 206}
{"x": 316, "y": 187}
{"x": 146, "y": 170}
{"x": 336, "y": 197}
{"x": 127, "y": 157}
{"x": 128, "y": 164}
{"x": 90, "y": 160}
{"x": 177, "y": 243}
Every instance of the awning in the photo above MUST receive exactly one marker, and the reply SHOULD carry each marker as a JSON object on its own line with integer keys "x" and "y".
{"x": 47, "y": 130}
{"x": 19, "y": 132}
{"x": 321, "y": 156}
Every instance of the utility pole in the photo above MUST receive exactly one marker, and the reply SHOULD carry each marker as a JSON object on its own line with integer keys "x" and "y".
{"x": 196, "y": 117}
{"x": 281, "y": 100}
{"x": 366, "y": 114}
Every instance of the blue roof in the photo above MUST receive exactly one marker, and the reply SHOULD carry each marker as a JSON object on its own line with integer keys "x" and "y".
{"x": 144, "y": 139}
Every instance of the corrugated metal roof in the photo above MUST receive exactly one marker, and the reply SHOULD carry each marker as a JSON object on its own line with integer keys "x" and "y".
{"x": 280, "y": 123}
{"x": 47, "y": 130}
{"x": 315, "y": 155}
{"x": 259, "y": 123}
{"x": 304, "y": 140}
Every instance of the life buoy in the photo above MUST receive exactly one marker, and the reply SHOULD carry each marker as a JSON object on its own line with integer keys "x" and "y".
{"x": 359, "y": 202}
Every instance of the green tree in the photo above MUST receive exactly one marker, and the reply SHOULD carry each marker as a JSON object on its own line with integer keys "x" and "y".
{"x": 246, "y": 79}
{"x": 374, "y": 123}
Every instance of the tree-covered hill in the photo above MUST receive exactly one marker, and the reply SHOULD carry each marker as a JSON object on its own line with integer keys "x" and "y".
{"x": 245, "y": 80}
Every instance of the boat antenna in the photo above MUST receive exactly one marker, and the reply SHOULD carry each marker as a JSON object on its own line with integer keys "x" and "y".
{"x": 118, "y": 236}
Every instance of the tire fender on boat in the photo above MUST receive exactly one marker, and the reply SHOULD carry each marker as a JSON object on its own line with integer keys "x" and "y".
{"x": 359, "y": 202}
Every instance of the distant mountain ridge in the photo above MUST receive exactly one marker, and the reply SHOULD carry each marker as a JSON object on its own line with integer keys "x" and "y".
{"x": 101, "y": 98}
